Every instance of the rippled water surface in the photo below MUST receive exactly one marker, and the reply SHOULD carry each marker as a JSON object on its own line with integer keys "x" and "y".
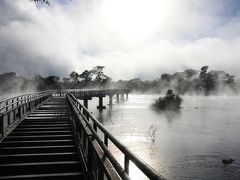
{"x": 185, "y": 144}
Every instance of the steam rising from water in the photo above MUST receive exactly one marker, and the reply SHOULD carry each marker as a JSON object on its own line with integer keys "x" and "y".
{"x": 76, "y": 35}
{"x": 187, "y": 144}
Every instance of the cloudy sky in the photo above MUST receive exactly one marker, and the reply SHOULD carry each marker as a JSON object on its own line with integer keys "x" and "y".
{"x": 131, "y": 38}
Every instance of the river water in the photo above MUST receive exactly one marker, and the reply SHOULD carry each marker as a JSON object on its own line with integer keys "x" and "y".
{"x": 185, "y": 144}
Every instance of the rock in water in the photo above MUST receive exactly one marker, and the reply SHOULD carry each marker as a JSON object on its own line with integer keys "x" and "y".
{"x": 169, "y": 101}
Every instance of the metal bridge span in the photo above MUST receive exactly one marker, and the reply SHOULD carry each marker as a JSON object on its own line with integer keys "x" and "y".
{"x": 51, "y": 135}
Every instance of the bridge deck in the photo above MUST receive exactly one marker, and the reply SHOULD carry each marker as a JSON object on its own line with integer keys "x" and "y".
{"x": 42, "y": 146}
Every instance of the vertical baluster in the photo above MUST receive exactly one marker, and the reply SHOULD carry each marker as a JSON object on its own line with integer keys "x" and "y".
{"x": 13, "y": 110}
{"x": 105, "y": 140}
{"x": 12, "y": 103}
{"x": 19, "y": 108}
{"x": 29, "y": 103}
{"x": 100, "y": 172}
{"x": 126, "y": 164}
{"x": 2, "y": 124}
{"x": 90, "y": 154}
{"x": 95, "y": 126}
{"x": 9, "y": 117}
{"x": 6, "y": 106}
{"x": 23, "y": 104}
{"x": 8, "y": 114}
{"x": 84, "y": 141}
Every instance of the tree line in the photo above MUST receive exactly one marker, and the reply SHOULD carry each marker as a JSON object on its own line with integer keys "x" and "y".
{"x": 11, "y": 83}
{"x": 189, "y": 81}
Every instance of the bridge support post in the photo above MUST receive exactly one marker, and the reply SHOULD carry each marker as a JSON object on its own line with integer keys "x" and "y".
{"x": 100, "y": 106}
{"x": 127, "y": 96}
{"x": 85, "y": 100}
{"x": 117, "y": 96}
{"x": 122, "y": 97}
{"x": 1, "y": 125}
{"x": 85, "y": 103}
{"x": 110, "y": 100}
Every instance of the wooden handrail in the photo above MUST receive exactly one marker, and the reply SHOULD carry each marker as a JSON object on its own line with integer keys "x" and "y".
{"x": 129, "y": 155}
{"x": 96, "y": 92}
{"x": 4, "y": 100}
{"x": 14, "y": 110}
{"x": 10, "y": 102}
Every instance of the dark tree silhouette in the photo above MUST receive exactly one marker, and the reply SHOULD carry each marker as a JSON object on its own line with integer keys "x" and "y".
{"x": 74, "y": 76}
{"x": 100, "y": 78}
{"x": 203, "y": 73}
{"x": 41, "y": 1}
{"x": 52, "y": 82}
{"x": 86, "y": 75}
{"x": 190, "y": 73}
{"x": 188, "y": 81}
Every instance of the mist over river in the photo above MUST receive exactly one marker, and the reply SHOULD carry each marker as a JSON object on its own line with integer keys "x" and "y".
{"x": 185, "y": 144}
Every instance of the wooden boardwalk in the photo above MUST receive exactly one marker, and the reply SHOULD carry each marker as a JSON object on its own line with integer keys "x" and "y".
{"x": 42, "y": 146}
{"x": 51, "y": 135}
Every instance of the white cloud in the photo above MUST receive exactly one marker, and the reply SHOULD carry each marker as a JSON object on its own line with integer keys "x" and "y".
{"x": 165, "y": 36}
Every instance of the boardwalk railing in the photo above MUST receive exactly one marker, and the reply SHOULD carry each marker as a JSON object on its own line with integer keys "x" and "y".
{"x": 90, "y": 92}
{"x": 13, "y": 110}
{"x": 99, "y": 159}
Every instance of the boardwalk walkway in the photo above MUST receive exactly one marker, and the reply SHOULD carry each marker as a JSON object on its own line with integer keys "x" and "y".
{"x": 52, "y": 135}
{"x": 42, "y": 146}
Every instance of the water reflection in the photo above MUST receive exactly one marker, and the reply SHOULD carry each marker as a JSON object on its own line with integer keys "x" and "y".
{"x": 171, "y": 114}
{"x": 109, "y": 112}
{"x": 189, "y": 143}
{"x": 152, "y": 132}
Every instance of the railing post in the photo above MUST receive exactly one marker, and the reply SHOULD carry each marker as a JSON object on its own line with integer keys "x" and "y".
{"x": 105, "y": 140}
{"x": 122, "y": 97}
{"x": 85, "y": 103}
{"x": 110, "y": 99}
{"x": 13, "y": 103}
{"x": 6, "y": 106}
{"x": 90, "y": 154}
{"x": 9, "y": 118}
{"x": 100, "y": 172}
{"x": 95, "y": 126}
{"x": 14, "y": 114}
{"x": 117, "y": 96}
{"x": 2, "y": 124}
{"x": 20, "y": 111}
{"x": 126, "y": 164}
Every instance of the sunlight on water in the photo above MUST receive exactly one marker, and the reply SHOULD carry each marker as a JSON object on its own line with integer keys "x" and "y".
{"x": 185, "y": 144}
